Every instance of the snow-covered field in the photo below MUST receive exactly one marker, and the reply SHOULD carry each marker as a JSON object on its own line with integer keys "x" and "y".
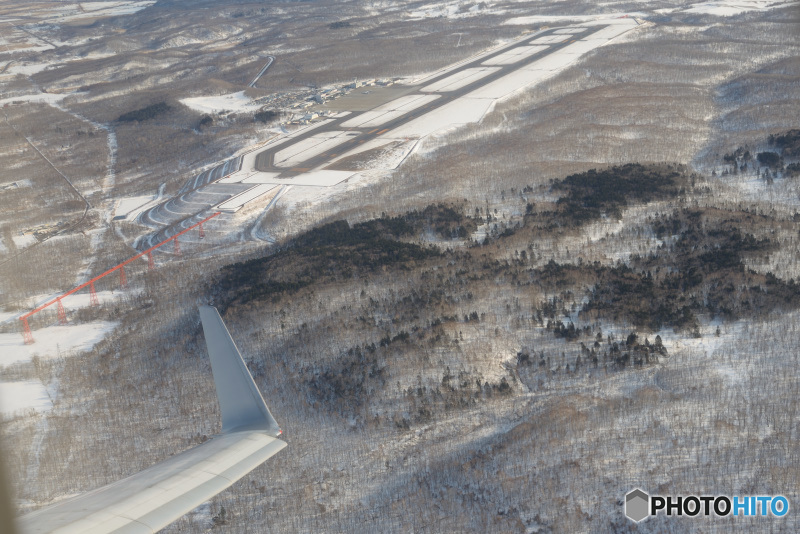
{"x": 82, "y": 10}
{"x": 126, "y": 205}
{"x": 23, "y": 396}
{"x": 38, "y": 98}
{"x": 219, "y": 104}
{"x": 53, "y": 341}
{"x": 22, "y": 241}
{"x": 727, "y": 8}
{"x": 454, "y": 10}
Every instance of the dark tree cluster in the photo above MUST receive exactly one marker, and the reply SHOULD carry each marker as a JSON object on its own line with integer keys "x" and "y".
{"x": 331, "y": 252}
{"x": 590, "y": 195}
{"x": 740, "y": 155}
{"x": 344, "y": 384}
{"x": 792, "y": 169}
{"x": 565, "y": 332}
{"x": 266, "y": 115}
{"x": 700, "y": 272}
{"x": 771, "y": 160}
{"x": 446, "y": 221}
{"x": 788, "y": 142}
{"x": 602, "y": 354}
{"x": 339, "y": 24}
{"x": 144, "y": 114}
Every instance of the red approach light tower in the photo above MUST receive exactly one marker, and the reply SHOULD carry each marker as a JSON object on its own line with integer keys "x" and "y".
{"x": 62, "y": 313}
{"x": 93, "y": 296}
{"x": 26, "y": 331}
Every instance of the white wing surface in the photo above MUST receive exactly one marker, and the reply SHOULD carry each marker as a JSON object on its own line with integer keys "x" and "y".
{"x": 153, "y": 498}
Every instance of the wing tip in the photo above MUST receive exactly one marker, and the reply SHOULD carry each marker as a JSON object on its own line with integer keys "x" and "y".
{"x": 241, "y": 404}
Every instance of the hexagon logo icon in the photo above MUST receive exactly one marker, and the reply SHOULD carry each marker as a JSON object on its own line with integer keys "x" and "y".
{"x": 637, "y": 505}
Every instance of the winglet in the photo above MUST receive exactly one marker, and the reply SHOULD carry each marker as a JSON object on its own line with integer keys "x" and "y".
{"x": 240, "y": 402}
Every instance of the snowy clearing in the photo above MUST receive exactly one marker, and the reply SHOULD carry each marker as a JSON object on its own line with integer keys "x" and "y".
{"x": 454, "y": 10}
{"x": 220, "y": 104}
{"x": 126, "y": 205}
{"x": 53, "y": 341}
{"x": 22, "y": 397}
{"x": 84, "y": 10}
{"x": 82, "y": 298}
{"x": 729, "y": 8}
{"x": 22, "y": 241}
{"x": 26, "y": 69}
{"x": 38, "y": 98}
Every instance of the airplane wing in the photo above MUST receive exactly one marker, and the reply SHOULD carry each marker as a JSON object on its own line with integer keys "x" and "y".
{"x": 152, "y": 499}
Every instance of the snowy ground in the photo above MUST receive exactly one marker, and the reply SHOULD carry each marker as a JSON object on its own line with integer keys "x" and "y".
{"x": 53, "y": 342}
{"x": 728, "y": 8}
{"x": 221, "y": 104}
{"x": 82, "y": 10}
{"x": 38, "y": 98}
{"x": 22, "y": 241}
{"x": 23, "y": 397}
{"x": 454, "y": 10}
{"x": 126, "y": 205}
